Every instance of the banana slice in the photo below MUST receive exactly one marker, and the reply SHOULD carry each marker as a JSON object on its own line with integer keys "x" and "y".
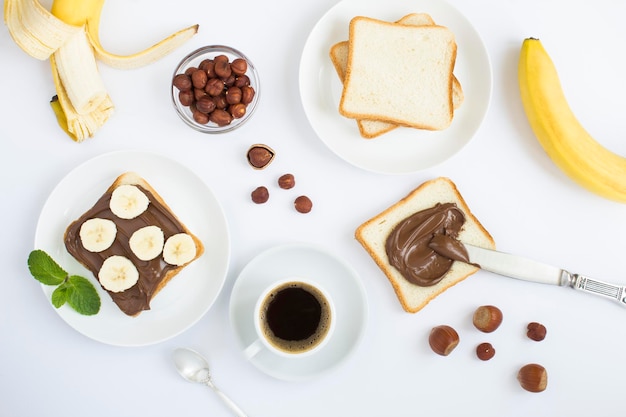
{"x": 179, "y": 249}
{"x": 118, "y": 274}
{"x": 147, "y": 242}
{"x": 128, "y": 201}
{"x": 97, "y": 234}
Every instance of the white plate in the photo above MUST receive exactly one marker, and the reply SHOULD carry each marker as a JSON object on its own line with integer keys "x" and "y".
{"x": 189, "y": 295}
{"x": 307, "y": 261}
{"x": 402, "y": 150}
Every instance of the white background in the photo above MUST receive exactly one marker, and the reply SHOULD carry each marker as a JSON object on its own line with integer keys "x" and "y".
{"x": 526, "y": 203}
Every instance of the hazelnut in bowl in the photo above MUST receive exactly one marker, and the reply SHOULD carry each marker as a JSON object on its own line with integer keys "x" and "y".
{"x": 215, "y": 89}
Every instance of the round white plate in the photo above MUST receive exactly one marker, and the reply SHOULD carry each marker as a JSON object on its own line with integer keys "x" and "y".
{"x": 189, "y": 295}
{"x": 306, "y": 261}
{"x": 402, "y": 150}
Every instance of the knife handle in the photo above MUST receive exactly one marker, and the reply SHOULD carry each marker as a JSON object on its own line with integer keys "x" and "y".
{"x": 583, "y": 283}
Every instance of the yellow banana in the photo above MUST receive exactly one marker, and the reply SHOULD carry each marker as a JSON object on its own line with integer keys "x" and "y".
{"x": 558, "y": 130}
{"x": 68, "y": 35}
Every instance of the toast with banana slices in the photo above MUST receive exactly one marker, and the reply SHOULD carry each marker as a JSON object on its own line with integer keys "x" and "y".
{"x": 132, "y": 242}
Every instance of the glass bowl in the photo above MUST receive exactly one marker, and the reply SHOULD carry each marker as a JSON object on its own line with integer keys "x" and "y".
{"x": 193, "y": 61}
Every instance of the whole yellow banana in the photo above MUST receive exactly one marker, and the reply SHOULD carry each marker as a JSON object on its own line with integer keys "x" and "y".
{"x": 560, "y": 133}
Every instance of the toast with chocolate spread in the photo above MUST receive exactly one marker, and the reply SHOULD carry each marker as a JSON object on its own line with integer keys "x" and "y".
{"x": 398, "y": 240}
{"x": 132, "y": 242}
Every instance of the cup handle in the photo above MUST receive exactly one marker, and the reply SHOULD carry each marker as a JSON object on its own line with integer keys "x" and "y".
{"x": 254, "y": 348}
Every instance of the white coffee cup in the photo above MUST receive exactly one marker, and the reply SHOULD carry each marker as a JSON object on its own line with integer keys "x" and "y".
{"x": 294, "y": 317}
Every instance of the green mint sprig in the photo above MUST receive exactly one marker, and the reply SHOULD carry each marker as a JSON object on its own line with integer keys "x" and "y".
{"x": 75, "y": 290}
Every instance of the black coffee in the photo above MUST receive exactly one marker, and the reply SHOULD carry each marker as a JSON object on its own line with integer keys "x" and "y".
{"x": 296, "y": 317}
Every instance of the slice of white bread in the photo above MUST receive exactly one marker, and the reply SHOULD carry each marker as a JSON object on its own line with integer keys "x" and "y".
{"x": 373, "y": 235}
{"x": 370, "y": 129}
{"x": 385, "y": 59}
{"x": 155, "y": 274}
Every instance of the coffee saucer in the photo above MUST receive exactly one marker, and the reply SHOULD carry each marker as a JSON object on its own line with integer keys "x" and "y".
{"x": 307, "y": 261}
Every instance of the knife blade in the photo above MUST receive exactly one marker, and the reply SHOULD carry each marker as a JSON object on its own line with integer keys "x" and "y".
{"x": 529, "y": 270}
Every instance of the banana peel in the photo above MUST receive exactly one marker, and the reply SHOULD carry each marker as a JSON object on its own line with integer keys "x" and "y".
{"x": 68, "y": 35}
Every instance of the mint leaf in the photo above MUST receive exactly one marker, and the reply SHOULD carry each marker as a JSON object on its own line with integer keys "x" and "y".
{"x": 75, "y": 290}
{"x": 45, "y": 269}
{"x": 82, "y": 296}
{"x": 59, "y": 296}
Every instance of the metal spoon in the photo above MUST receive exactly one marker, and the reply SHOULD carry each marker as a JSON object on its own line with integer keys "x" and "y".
{"x": 194, "y": 368}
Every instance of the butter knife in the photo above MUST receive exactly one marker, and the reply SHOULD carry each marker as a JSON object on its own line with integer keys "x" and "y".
{"x": 529, "y": 270}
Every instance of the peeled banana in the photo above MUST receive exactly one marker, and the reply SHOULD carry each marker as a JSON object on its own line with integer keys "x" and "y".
{"x": 68, "y": 35}
{"x": 560, "y": 133}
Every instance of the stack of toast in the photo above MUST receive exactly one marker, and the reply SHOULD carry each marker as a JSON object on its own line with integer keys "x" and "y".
{"x": 397, "y": 74}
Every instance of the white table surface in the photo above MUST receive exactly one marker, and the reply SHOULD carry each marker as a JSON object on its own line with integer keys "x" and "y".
{"x": 527, "y": 204}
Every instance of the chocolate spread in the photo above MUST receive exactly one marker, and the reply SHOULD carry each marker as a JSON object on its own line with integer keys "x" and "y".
{"x": 408, "y": 244}
{"x": 151, "y": 273}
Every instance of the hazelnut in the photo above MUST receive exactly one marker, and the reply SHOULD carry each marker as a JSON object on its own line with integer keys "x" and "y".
{"x": 260, "y": 156}
{"x": 485, "y": 351}
{"x": 220, "y": 117}
{"x": 210, "y": 68}
{"x": 286, "y": 181}
{"x": 199, "y": 117}
{"x": 536, "y": 331}
{"x": 443, "y": 339}
{"x": 487, "y": 318}
{"x": 186, "y": 97}
{"x": 214, "y": 87}
{"x": 303, "y": 204}
{"x": 199, "y": 78}
{"x": 220, "y": 58}
{"x": 190, "y": 71}
{"x": 230, "y": 81}
{"x": 533, "y": 377}
{"x": 233, "y": 95}
{"x": 182, "y": 82}
{"x": 241, "y": 81}
{"x": 260, "y": 195}
{"x": 198, "y": 93}
{"x": 247, "y": 94}
{"x": 205, "y": 104}
{"x": 237, "y": 110}
{"x": 222, "y": 68}
{"x": 220, "y": 101}
{"x": 239, "y": 66}
{"x": 205, "y": 64}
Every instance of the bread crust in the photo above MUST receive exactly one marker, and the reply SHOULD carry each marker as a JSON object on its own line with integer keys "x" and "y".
{"x": 373, "y": 234}
{"x": 132, "y": 178}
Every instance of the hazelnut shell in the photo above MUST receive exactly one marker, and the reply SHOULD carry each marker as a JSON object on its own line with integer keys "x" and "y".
{"x": 533, "y": 377}
{"x": 443, "y": 339}
{"x": 260, "y": 156}
{"x": 487, "y": 318}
